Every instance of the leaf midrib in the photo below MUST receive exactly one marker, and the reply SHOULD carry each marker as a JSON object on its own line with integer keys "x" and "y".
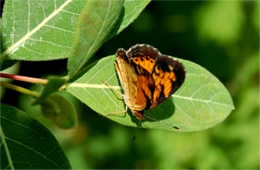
{"x": 102, "y": 86}
{"x": 38, "y": 27}
{"x": 6, "y": 148}
{"x": 200, "y": 100}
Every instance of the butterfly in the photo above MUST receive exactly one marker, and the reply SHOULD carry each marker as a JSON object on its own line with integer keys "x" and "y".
{"x": 147, "y": 77}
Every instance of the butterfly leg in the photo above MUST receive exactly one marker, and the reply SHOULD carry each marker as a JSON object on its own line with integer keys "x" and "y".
{"x": 116, "y": 113}
{"x": 121, "y": 96}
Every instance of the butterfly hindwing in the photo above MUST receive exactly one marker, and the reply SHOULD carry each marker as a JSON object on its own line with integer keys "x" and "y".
{"x": 168, "y": 75}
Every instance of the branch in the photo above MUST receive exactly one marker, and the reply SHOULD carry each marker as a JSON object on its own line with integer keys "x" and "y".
{"x": 19, "y": 89}
{"x": 24, "y": 78}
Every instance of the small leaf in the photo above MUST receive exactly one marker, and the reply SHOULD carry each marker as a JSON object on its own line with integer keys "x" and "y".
{"x": 26, "y": 144}
{"x": 39, "y": 30}
{"x": 60, "y": 110}
{"x": 201, "y": 102}
{"x": 94, "y": 25}
{"x": 54, "y": 83}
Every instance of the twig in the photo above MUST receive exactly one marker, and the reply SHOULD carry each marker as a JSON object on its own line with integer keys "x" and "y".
{"x": 24, "y": 78}
{"x": 19, "y": 89}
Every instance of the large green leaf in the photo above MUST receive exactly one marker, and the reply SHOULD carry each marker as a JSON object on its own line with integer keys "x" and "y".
{"x": 95, "y": 23}
{"x": 26, "y": 144}
{"x": 200, "y": 103}
{"x": 99, "y": 21}
{"x": 39, "y": 30}
{"x": 45, "y": 30}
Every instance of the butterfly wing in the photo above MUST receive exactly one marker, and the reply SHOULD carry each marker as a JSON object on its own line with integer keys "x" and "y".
{"x": 168, "y": 75}
{"x": 147, "y": 77}
{"x": 143, "y": 56}
{"x": 129, "y": 82}
{"x": 159, "y": 76}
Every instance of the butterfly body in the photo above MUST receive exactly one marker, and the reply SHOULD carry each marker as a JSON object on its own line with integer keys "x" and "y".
{"x": 147, "y": 77}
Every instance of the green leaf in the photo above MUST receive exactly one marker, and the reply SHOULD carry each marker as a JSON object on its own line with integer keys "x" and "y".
{"x": 95, "y": 23}
{"x": 200, "y": 103}
{"x": 132, "y": 9}
{"x": 26, "y": 144}
{"x": 60, "y": 110}
{"x": 39, "y": 30}
{"x": 54, "y": 83}
{"x": 4, "y": 64}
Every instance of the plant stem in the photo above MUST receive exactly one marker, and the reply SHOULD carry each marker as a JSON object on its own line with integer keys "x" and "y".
{"x": 19, "y": 89}
{"x": 24, "y": 78}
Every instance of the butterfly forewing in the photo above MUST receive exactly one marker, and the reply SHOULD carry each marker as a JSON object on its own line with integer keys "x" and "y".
{"x": 129, "y": 80}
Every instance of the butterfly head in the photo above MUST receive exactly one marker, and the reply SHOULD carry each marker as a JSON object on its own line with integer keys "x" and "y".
{"x": 121, "y": 53}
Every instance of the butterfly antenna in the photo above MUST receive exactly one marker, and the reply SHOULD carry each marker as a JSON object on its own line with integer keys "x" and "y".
{"x": 139, "y": 124}
{"x": 175, "y": 127}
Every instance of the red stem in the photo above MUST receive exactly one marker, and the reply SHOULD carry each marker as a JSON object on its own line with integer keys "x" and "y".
{"x": 24, "y": 78}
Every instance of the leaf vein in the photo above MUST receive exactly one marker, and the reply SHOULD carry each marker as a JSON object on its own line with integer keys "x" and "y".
{"x": 58, "y": 28}
{"x": 35, "y": 151}
{"x": 38, "y": 27}
{"x": 69, "y": 12}
{"x": 200, "y": 100}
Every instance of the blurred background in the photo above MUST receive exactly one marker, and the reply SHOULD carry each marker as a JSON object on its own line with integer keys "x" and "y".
{"x": 223, "y": 37}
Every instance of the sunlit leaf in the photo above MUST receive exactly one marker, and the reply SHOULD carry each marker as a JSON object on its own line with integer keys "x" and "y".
{"x": 4, "y": 64}
{"x": 200, "y": 103}
{"x": 39, "y": 30}
{"x": 26, "y": 144}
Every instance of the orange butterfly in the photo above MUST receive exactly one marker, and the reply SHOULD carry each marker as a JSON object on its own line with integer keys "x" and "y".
{"x": 147, "y": 77}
